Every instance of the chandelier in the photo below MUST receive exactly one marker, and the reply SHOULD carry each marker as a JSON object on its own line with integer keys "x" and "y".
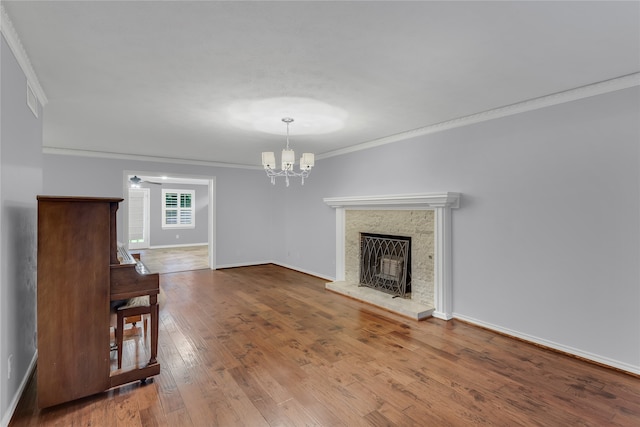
{"x": 288, "y": 160}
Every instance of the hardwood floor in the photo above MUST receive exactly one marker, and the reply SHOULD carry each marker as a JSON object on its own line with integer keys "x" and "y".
{"x": 173, "y": 260}
{"x": 267, "y": 346}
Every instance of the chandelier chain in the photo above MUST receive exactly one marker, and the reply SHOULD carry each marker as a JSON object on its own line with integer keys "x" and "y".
{"x": 287, "y": 120}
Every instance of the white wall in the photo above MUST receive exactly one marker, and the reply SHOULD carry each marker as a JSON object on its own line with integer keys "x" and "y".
{"x": 546, "y": 240}
{"x": 20, "y": 182}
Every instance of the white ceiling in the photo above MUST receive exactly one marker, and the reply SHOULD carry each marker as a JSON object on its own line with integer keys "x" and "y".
{"x": 160, "y": 78}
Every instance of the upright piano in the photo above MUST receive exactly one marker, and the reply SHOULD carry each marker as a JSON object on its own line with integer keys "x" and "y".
{"x": 80, "y": 272}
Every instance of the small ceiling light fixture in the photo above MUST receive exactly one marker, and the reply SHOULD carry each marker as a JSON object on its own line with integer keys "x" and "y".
{"x": 135, "y": 181}
{"x": 288, "y": 160}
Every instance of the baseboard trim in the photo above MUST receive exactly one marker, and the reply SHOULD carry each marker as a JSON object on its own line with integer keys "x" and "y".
{"x": 241, "y": 264}
{"x": 553, "y": 346}
{"x": 279, "y": 264}
{"x": 441, "y": 315}
{"x": 301, "y": 270}
{"x": 184, "y": 245}
{"x": 23, "y": 385}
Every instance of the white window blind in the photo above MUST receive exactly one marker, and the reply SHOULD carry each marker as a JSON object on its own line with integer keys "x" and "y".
{"x": 178, "y": 208}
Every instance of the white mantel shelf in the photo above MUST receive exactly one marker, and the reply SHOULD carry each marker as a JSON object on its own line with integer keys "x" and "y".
{"x": 440, "y": 203}
{"x": 397, "y": 201}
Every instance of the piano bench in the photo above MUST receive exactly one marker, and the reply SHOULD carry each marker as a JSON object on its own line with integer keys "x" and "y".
{"x": 129, "y": 310}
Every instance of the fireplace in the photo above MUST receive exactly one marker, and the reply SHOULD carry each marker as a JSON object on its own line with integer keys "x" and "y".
{"x": 385, "y": 263}
{"x": 392, "y": 226}
{"x": 426, "y": 218}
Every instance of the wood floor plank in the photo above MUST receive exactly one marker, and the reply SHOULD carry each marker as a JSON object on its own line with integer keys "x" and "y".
{"x": 268, "y": 346}
{"x": 171, "y": 260}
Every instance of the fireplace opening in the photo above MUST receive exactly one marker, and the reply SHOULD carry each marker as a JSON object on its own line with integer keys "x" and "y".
{"x": 385, "y": 263}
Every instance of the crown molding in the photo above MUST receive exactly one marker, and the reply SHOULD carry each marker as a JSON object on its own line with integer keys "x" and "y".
{"x": 157, "y": 159}
{"x": 11, "y": 36}
{"x": 619, "y": 83}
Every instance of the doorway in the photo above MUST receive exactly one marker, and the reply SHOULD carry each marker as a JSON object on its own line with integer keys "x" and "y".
{"x": 158, "y": 180}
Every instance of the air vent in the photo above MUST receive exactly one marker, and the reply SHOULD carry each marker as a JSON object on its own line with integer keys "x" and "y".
{"x": 32, "y": 100}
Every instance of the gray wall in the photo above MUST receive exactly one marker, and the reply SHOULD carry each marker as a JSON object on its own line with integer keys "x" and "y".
{"x": 186, "y": 236}
{"x": 244, "y": 220}
{"x": 545, "y": 242}
{"x": 20, "y": 182}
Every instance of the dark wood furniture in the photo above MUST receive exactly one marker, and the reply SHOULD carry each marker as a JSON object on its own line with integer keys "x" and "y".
{"x": 79, "y": 273}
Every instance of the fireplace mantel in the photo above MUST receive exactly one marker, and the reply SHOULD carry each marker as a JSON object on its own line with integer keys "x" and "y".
{"x": 399, "y": 201}
{"x": 440, "y": 203}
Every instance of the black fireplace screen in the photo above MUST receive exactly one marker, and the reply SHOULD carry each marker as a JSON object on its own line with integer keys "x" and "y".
{"x": 385, "y": 263}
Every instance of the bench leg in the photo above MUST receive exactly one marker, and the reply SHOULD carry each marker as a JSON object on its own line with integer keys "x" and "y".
{"x": 119, "y": 337}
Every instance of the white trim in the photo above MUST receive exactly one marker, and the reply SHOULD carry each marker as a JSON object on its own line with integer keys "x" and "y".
{"x": 11, "y": 36}
{"x": 442, "y": 271}
{"x": 340, "y": 244}
{"x": 23, "y": 385}
{"x": 183, "y": 245}
{"x": 158, "y": 159}
{"x": 279, "y": 264}
{"x": 211, "y": 211}
{"x": 635, "y": 369}
{"x": 243, "y": 264}
{"x": 440, "y": 203}
{"x": 309, "y": 272}
{"x": 397, "y": 201}
{"x": 599, "y": 88}
{"x": 32, "y": 100}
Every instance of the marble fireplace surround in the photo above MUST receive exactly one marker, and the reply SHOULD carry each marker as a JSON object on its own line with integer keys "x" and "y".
{"x": 441, "y": 205}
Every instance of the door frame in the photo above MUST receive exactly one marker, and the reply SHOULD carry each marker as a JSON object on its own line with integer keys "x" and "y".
{"x": 211, "y": 211}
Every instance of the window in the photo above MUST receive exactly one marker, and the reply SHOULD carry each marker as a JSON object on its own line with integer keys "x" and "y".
{"x": 178, "y": 209}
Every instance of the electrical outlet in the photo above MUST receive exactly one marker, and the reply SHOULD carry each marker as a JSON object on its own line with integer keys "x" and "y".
{"x": 9, "y": 363}
{"x": 177, "y": 236}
